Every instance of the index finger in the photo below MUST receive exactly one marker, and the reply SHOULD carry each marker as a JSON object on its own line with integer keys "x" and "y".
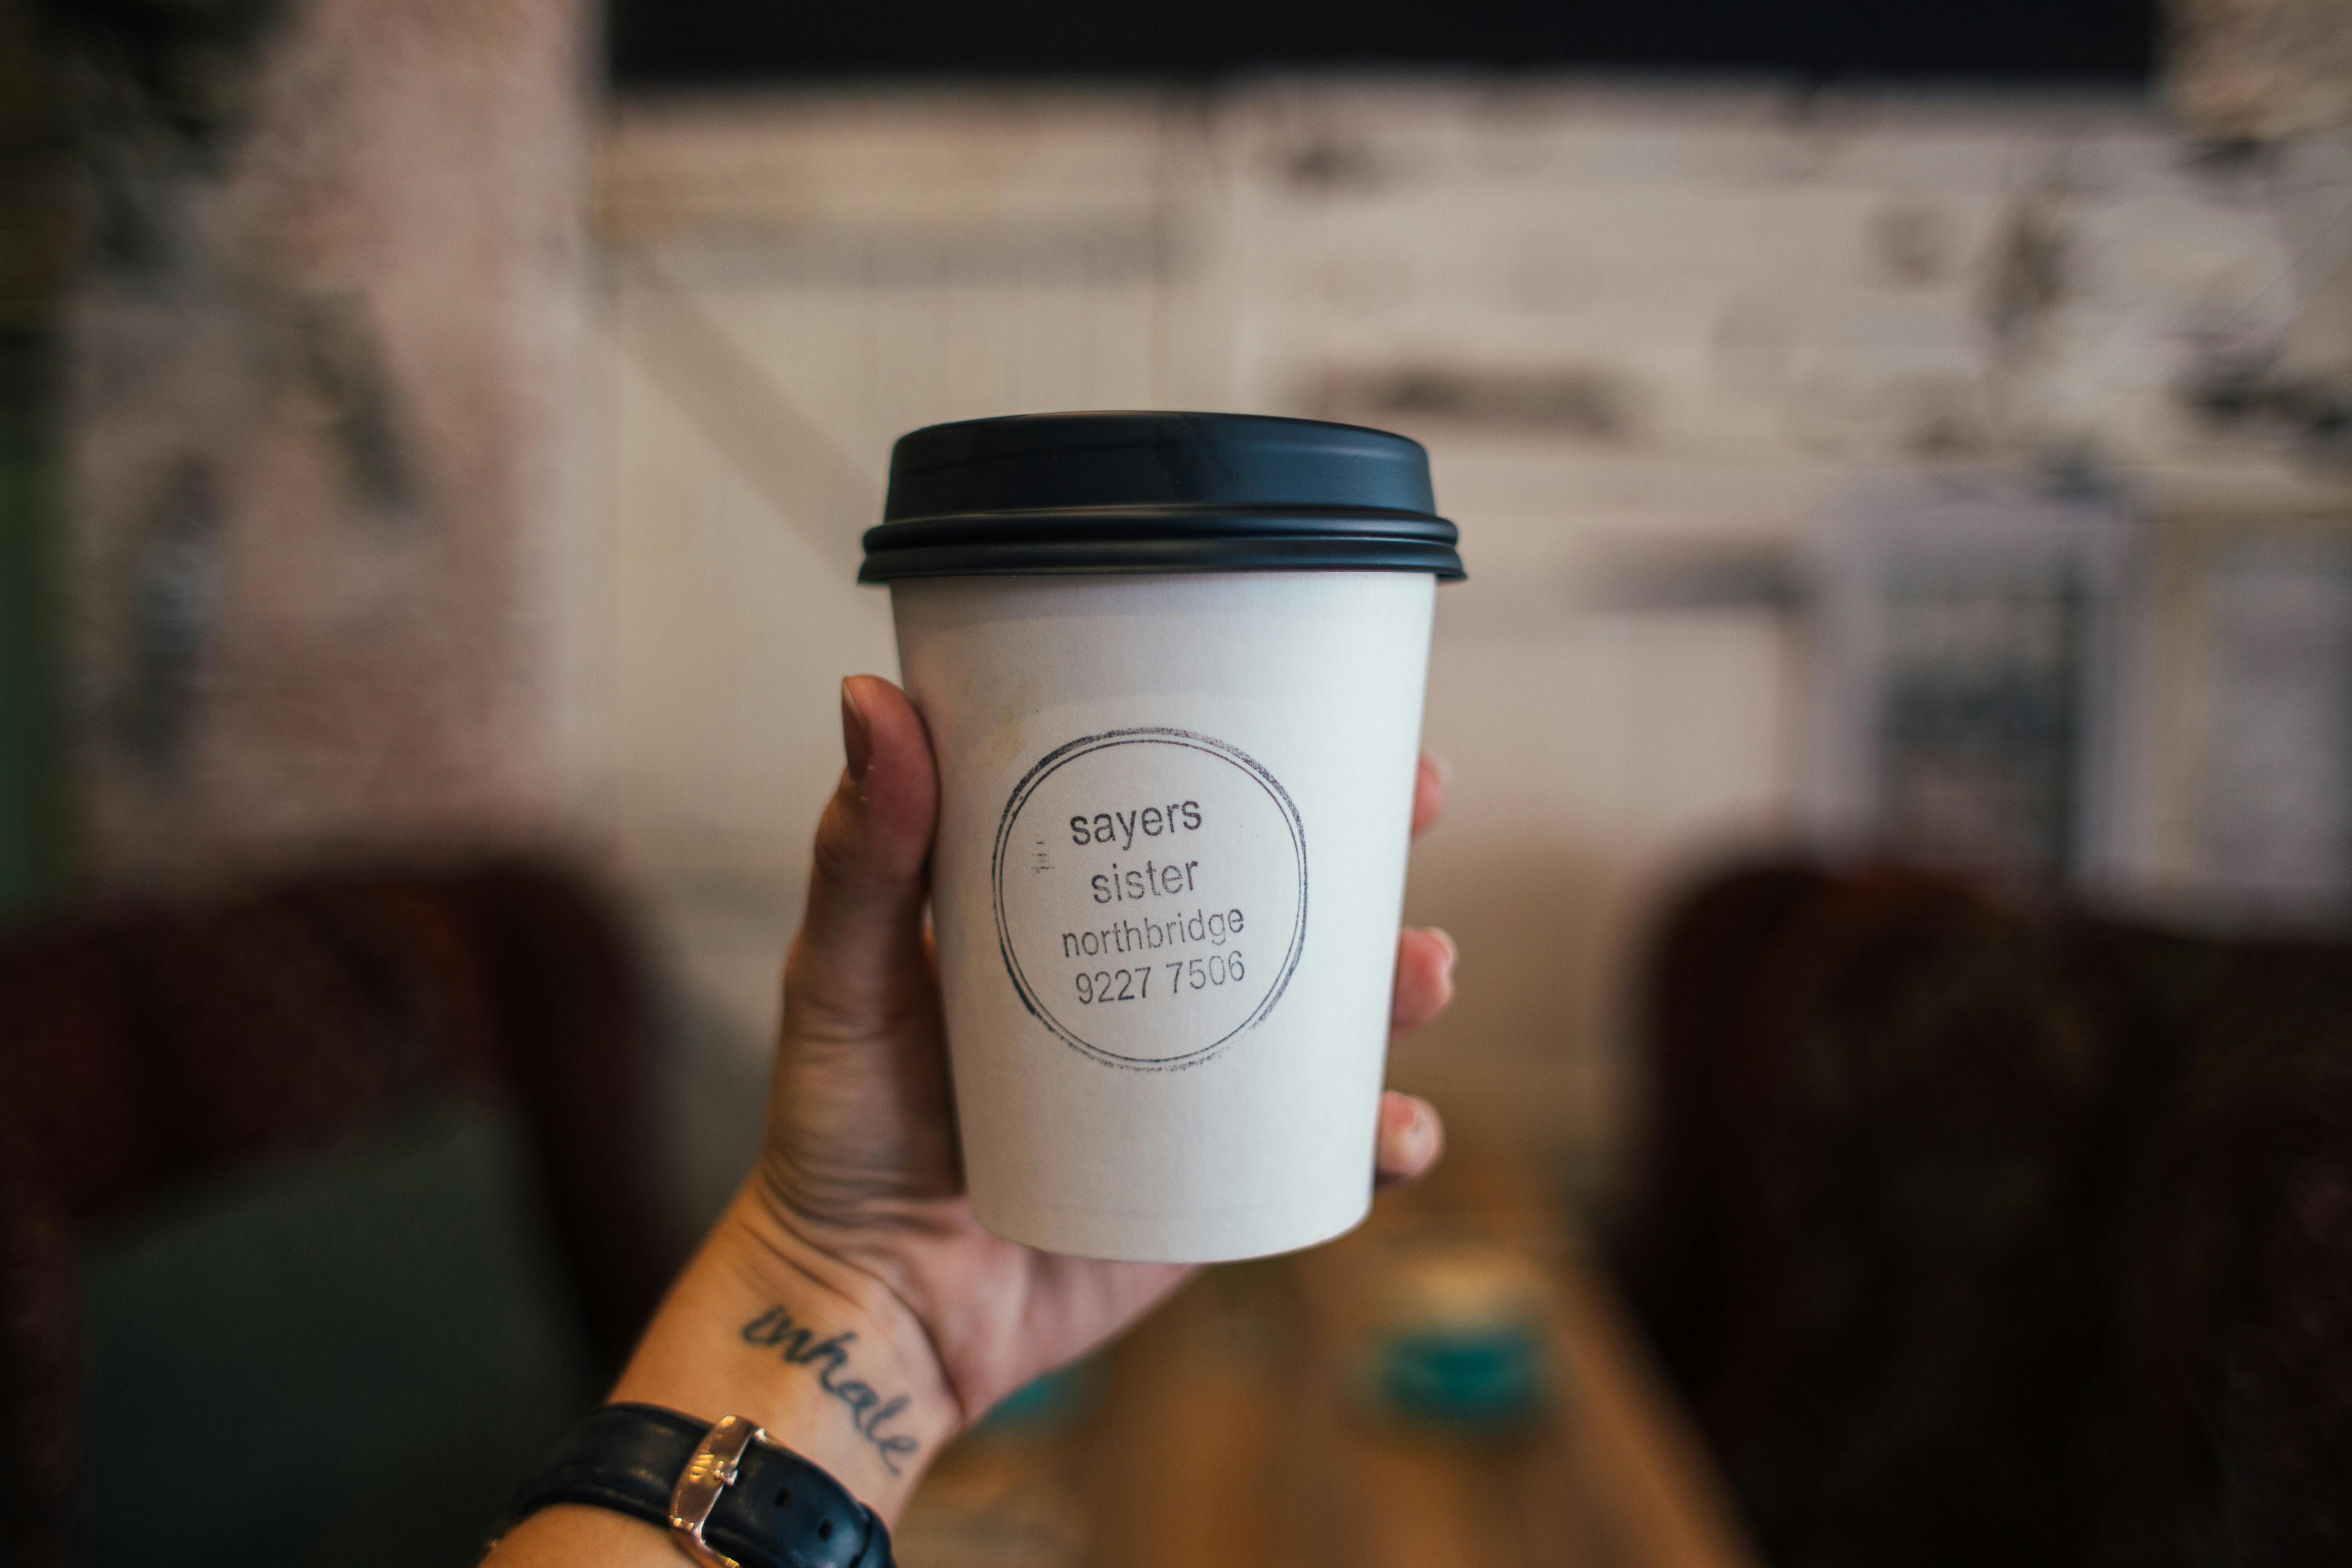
{"x": 1428, "y": 792}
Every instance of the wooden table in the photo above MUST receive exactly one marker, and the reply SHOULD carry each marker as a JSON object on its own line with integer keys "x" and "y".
{"x": 1223, "y": 1431}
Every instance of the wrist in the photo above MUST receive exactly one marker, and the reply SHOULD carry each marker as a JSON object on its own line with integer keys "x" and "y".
{"x": 821, "y": 1354}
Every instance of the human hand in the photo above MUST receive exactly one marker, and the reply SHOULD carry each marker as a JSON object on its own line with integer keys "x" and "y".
{"x": 855, "y": 1221}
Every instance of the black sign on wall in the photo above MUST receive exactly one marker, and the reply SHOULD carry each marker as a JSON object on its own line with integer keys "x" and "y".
{"x": 678, "y": 41}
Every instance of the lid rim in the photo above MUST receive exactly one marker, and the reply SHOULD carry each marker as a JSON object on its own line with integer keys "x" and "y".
{"x": 1168, "y": 524}
{"x": 1164, "y": 556}
{"x": 1146, "y": 509}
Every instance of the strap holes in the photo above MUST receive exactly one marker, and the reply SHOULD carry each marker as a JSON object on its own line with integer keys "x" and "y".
{"x": 825, "y": 1530}
{"x": 784, "y": 1498}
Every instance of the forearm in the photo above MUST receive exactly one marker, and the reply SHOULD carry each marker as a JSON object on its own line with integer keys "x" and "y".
{"x": 823, "y": 1357}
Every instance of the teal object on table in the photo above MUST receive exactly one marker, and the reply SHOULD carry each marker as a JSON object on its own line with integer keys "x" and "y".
{"x": 1487, "y": 1376}
{"x": 1043, "y": 1403}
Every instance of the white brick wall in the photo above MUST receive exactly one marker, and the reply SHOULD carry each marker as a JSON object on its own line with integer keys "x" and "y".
{"x": 323, "y": 459}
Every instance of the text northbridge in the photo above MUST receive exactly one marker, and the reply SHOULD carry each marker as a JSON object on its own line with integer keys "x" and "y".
{"x": 1154, "y": 936}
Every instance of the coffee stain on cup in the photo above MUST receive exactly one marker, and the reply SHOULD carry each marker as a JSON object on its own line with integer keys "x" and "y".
{"x": 1008, "y": 730}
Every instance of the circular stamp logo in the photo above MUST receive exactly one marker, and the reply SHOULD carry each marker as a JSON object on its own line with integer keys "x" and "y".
{"x": 1150, "y": 891}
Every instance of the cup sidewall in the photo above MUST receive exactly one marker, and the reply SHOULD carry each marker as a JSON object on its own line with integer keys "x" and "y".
{"x": 1303, "y": 686}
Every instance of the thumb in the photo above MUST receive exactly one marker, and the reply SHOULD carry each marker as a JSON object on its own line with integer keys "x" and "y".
{"x": 864, "y": 928}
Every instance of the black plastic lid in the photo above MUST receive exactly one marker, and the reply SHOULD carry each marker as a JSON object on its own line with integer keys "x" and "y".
{"x": 1156, "y": 492}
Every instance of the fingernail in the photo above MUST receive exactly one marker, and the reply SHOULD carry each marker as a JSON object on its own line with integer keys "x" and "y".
{"x": 1401, "y": 1115}
{"x": 1453, "y": 952}
{"x": 857, "y": 735}
{"x": 1441, "y": 767}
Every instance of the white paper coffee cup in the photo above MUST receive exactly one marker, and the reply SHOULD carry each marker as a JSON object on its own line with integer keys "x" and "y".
{"x": 1170, "y": 868}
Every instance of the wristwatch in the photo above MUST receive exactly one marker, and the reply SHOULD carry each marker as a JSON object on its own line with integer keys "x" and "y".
{"x": 729, "y": 1495}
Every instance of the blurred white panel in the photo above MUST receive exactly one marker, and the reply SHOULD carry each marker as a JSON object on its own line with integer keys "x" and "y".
{"x": 2274, "y": 828}
{"x": 733, "y": 624}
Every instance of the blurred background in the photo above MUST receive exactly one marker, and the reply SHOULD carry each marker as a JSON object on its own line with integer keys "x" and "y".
{"x": 1900, "y": 719}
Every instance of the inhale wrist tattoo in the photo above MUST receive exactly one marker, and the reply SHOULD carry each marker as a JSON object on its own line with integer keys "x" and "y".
{"x": 797, "y": 1342}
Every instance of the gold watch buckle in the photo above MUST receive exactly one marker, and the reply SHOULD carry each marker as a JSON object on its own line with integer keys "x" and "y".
{"x": 709, "y": 1473}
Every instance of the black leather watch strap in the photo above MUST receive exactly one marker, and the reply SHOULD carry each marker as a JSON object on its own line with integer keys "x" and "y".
{"x": 780, "y": 1512}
